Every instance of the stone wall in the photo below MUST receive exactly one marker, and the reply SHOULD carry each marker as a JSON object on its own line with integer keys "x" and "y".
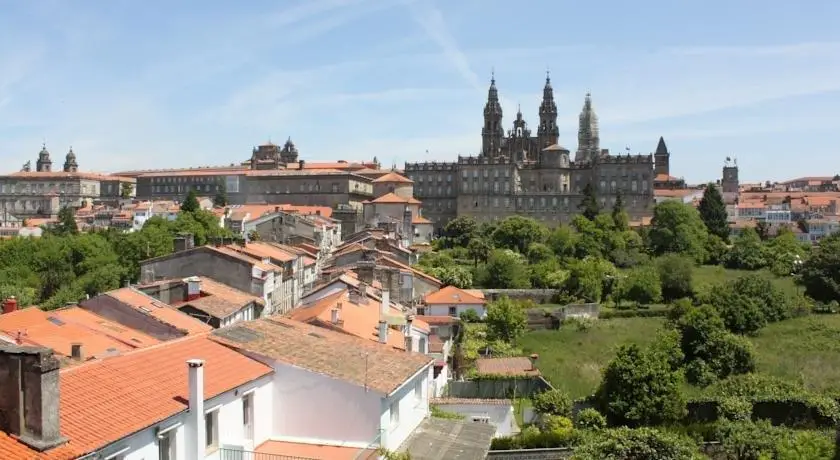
{"x": 497, "y": 388}
{"x": 538, "y": 296}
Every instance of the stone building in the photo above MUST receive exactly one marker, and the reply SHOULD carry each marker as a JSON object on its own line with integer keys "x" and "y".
{"x": 43, "y": 192}
{"x": 519, "y": 173}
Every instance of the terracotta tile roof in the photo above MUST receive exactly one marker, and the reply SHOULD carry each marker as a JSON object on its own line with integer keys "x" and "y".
{"x": 311, "y": 249}
{"x": 11, "y": 448}
{"x": 452, "y": 295}
{"x": 340, "y": 356}
{"x": 220, "y": 300}
{"x": 307, "y": 261}
{"x": 53, "y": 175}
{"x": 675, "y": 193}
{"x": 256, "y": 262}
{"x": 436, "y": 344}
{"x": 818, "y": 179}
{"x": 750, "y": 205}
{"x": 413, "y": 200}
{"x": 150, "y": 385}
{"x": 60, "y": 329}
{"x": 301, "y": 451}
{"x": 436, "y": 320}
{"x": 417, "y": 220}
{"x": 397, "y": 264}
{"x": 229, "y": 171}
{"x": 361, "y": 320}
{"x": 666, "y": 178}
{"x": 470, "y": 401}
{"x": 159, "y": 310}
{"x": 477, "y": 293}
{"x": 393, "y": 178}
{"x": 390, "y": 198}
{"x": 517, "y": 366}
{"x": 262, "y": 250}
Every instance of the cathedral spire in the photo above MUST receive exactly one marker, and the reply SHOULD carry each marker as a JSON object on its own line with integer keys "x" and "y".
{"x": 492, "y": 132}
{"x": 661, "y": 148}
{"x": 548, "y": 131}
{"x": 589, "y": 141}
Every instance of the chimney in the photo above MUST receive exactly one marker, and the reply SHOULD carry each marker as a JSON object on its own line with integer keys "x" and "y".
{"x": 301, "y": 164}
{"x": 277, "y": 209}
{"x": 29, "y": 396}
{"x": 409, "y": 339}
{"x": 386, "y": 302}
{"x": 383, "y": 331}
{"x": 76, "y": 352}
{"x": 335, "y": 317}
{"x": 534, "y": 357}
{"x": 193, "y": 287}
{"x": 10, "y": 305}
{"x": 195, "y": 435}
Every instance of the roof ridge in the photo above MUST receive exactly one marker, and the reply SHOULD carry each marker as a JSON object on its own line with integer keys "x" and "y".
{"x": 136, "y": 351}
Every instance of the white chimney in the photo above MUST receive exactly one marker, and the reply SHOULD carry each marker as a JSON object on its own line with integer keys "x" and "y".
{"x": 195, "y": 435}
{"x": 386, "y": 302}
{"x": 383, "y": 331}
{"x": 335, "y": 315}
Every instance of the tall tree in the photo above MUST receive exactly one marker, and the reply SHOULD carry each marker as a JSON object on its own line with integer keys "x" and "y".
{"x": 66, "y": 222}
{"x": 125, "y": 190}
{"x": 713, "y": 212}
{"x": 589, "y": 205}
{"x": 619, "y": 215}
{"x": 221, "y": 199}
{"x": 190, "y": 203}
{"x": 506, "y": 320}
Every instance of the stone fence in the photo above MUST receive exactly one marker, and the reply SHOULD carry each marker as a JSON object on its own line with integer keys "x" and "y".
{"x": 538, "y": 296}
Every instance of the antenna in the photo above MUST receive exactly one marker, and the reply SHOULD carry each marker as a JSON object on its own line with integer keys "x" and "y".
{"x": 366, "y": 355}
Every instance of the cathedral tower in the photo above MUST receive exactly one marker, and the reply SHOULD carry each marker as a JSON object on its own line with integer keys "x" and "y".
{"x": 70, "y": 164}
{"x": 589, "y": 142}
{"x": 289, "y": 154}
{"x": 661, "y": 159}
{"x": 493, "y": 132}
{"x": 548, "y": 132}
{"x": 44, "y": 164}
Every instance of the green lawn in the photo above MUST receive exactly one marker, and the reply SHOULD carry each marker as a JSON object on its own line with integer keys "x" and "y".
{"x": 572, "y": 359}
{"x": 804, "y": 349}
{"x": 707, "y": 275}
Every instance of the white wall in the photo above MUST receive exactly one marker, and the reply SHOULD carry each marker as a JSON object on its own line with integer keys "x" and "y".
{"x": 314, "y": 408}
{"x": 412, "y": 410}
{"x": 143, "y": 445}
{"x": 501, "y": 416}
{"x": 443, "y": 309}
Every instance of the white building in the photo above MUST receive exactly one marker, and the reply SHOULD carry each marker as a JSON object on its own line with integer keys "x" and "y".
{"x": 497, "y": 412}
{"x": 334, "y": 389}
{"x": 451, "y": 301}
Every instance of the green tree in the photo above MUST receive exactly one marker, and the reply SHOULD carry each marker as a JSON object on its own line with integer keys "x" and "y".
{"x": 562, "y": 240}
{"x": 713, "y": 212}
{"x": 676, "y": 273}
{"x": 820, "y": 273}
{"x": 539, "y": 252}
{"x": 479, "y": 249}
{"x": 677, "y": 228}
{"x": 460, "y": 230}
{"x": 590, "y": 419}
{"x": 746, "y": 440}
{"x": 747, "y": 252}
{"x": 506, "y": 320}
{"x": 507, "y": 270}
{"x": 126, "y": 189}
{"x": 799, "y": 445}
{"x": 641, "y": 285}
{"x": 762, "y": 228}
{"x": 221, "y": 198}
{"x": 785, "y": 253}
{"x": 518, "y": 232}
{"x": 640, "y": 388}
{"x": 619, "y": 216}
{"x": 553, "y": 402}
{"x": 589, "y": 206}
{"x": 190, "y": 203}
{"x": 453, "y": 275}
{"x": 637, "y": 444}
{"x": 710, "y": 351}
{"x": 590, "y": 278}
{"x": 66, "y": 224}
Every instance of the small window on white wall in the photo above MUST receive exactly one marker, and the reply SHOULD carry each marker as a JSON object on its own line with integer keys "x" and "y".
{"x": 395, "y": 413}
{"x": 211, "y": 430}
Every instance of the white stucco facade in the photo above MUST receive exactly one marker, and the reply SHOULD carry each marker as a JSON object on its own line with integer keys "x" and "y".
{"x": 453, "y": 309}
{"x": 498, "y": 413}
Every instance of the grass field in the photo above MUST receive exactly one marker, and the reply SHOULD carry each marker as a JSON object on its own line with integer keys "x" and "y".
{"x": 572, "y": 359}
{"x": 707, "y": 275}
{"x": 805, "y": 349}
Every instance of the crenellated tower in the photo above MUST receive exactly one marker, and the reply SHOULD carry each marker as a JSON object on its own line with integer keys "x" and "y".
{"x": 589, "y": 141}
{"x": 548, "y": 132}
{"x": 492, "y": 133}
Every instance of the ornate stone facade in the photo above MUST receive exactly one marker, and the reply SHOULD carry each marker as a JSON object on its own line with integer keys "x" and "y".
{"x": 517, "y": 173}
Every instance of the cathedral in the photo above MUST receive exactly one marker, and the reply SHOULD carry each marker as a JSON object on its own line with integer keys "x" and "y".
{"x": 517, "y": 172}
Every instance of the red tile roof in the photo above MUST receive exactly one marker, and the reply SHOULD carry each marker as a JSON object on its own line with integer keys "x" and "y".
{"x": 146, "y": 387}
{"x": 390, "y": 198}
{"x": 436, "y": 320}
{"x": 158, "y": 310}
{"x": 340, "y": 356}
{"x": 301, "y": 451}
{"x": 393, "y": 178}
{"x": 262, "y": 250}
{"x": 517, "y": 366}
{"x": 452, "y": 295}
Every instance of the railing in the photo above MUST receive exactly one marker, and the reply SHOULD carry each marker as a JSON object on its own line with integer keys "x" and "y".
{"x": 235, "y": 454}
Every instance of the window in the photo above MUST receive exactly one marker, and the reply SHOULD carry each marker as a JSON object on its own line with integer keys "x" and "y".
{"x": 211, "y": 430}
{"x": 421, "y": 311}
{"x": 481, "y": 419}
{"x": 422, "y": 345}
{"x": 166, "y": 445}
{"x": 395, "y": 413}
{"x": 453, "y": 311}
{"x": 248, "y": 416}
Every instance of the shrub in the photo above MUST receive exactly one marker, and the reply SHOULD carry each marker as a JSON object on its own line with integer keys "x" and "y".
{"x": 675, "y": 275}
{"x": 641, "y": 443}
{"x": 591, "y": 419}
{"x": 469, "y": 316}
{"x": 553, "y": 402}
{"x": 557, "y": 424}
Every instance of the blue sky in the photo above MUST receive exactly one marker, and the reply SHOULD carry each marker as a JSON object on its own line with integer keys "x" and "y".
{"x": 170, "y": 84}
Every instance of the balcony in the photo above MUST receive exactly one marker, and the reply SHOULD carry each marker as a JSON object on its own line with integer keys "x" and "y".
{"x": 237, "y": 454}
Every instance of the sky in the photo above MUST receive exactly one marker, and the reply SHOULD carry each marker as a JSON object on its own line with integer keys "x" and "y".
{"x": 159, "y": 84}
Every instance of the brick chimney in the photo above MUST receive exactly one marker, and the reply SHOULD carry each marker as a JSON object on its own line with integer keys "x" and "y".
{"x": 29, "y": 396}
{"x": 195, "y": 435}
{"x": 10, "y": 305}
{"x": 534, "y": 357}
{"x": 193, "y": 287}
{"x": 383, "y": 331}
